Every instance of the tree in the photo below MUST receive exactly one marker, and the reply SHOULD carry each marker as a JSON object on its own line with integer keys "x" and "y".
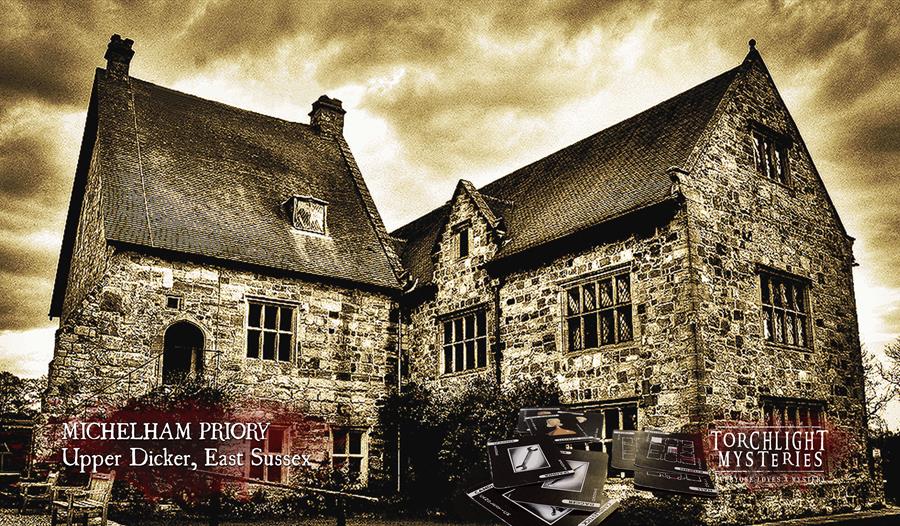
{"x": 20, "y": 396}
{"x": 882, "y": 383}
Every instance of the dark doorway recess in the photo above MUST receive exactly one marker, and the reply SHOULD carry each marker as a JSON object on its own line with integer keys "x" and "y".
{"x": 183, "y": 352}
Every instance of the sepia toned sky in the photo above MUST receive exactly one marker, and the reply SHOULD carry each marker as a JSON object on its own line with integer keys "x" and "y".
{"x": 468, "y": 90}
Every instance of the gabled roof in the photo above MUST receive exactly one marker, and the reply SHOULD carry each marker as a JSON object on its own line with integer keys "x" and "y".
{"x": 607, "y": 175}
{"x": 188, "y": 175}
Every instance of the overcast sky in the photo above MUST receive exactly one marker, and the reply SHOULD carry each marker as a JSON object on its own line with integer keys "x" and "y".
{"x": 435, "y": 94}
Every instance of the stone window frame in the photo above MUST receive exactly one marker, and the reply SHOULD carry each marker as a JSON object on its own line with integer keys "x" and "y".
{"x": 265, "y": 446}
{"x": 462, "y": 314}
{"x": 293, "y": 206}
{"x": 795, "y": 280}
{"x": 457, "y": 231}
{"x": 777, "y": 146}
{"x": 605, "y": 442}
{"x": 347, "y": 455}
{"x": 791, "y": 411}
{"x": 595, "y": 277}
{"x": 178, "y": 299}
{"x": 267, "y": 301}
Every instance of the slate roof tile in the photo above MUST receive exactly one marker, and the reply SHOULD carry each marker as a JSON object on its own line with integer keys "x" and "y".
{"x": 606, "y": 175}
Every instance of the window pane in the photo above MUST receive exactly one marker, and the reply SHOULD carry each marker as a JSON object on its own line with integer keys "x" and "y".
{"x": 458, "y": 353}
{"x": 768, "y": 329}
{"x": 252, "y": 343}
{"x": 354, "y": 468}
{"x": 463, "y": 242}
{"x": 779, "y": 326}
{"x": 789, "y": 295}
{"x": 481, "y": 322}
{"x": 610, "y": 421}
{"x": 789, "y": 329}
{"x": 284, "y": 347}
{"x": 458, "y": 330}
{"x": 470, "y": 354}
{"x": 268, "y": 346}
{"x": 573, "y": 301}
{"x": 606, "y": 327}
{"x": 590, "y": 331}
{"x": 274, "y": 474}
{"x": 271, "y": 316}
{"x": 287, "y": 318}
{"x": 764, "y": 283}
{"x": 356, "y": 442}
{"x": 777, "y": 293}
{"x": 801, "y": 331}
{"x": 448, "y": 332}
{"x": 587, "y": 297}
{"x": 798, "y": 299}
{"x": 574, "y": 330}
{"x": 448, "y": 359}
{"x": 606, "y": 293}
{"x": 629, "y": 417}
{"x": 339, "y": 446}
{"x": 255, "y": 312}
{"x": 623, "y": 289}
{"x": 470, "y": 327}
{"x": 625, "y": 332}
{"x": 482, "y": 351}
{"x": 256, "y": 472}
{"x": 276, "y": 440}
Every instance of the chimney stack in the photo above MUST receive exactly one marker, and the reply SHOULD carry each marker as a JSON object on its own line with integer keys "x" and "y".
{"x": 118, "y": 56}
{"x": 327, "y": 116}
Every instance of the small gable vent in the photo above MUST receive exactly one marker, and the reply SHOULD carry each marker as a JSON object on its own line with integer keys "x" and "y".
{"x": 308, "y": 213}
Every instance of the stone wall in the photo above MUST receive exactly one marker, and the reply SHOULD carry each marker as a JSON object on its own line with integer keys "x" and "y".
{"x": 653, "y": 369}
{"x": 343, "y": 365}
{"x": 739, "y": 220}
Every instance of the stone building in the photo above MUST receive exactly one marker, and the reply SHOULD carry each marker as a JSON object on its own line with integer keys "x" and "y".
{"x": 205, "y": 239}
{"x": 682, "y": 267}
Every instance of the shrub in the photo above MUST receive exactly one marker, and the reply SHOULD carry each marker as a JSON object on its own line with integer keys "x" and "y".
{"x": 443, "y": 437}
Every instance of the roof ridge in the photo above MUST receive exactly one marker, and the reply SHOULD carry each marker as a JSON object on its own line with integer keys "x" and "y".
{"x": 618, "y": 124}
{"x": 212, "y": 101}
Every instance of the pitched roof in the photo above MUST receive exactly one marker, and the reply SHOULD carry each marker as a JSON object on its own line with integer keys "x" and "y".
{"x": 611, "y": 173}
{"x": 198, "y": 177}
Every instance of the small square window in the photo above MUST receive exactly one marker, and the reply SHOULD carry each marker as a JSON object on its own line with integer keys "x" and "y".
{"x": 349, "y": 453}
{"x": 308, "y": 214}
{"x": 173, "y": 302}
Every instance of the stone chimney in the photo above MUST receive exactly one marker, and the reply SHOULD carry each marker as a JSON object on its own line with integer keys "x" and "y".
{"x": 327, "y": 116}
{"x": 118, "y": 56}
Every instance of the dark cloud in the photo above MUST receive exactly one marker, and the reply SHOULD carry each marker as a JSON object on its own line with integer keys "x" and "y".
{"x": 462, "y": 89}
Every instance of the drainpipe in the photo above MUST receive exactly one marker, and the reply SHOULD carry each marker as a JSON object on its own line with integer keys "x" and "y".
{"x": 498, "y": 352}
{"x": 411, "y": 286}
{"x": 399, "y": 385}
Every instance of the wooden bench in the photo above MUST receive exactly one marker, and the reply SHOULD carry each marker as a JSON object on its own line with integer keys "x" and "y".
{"x": 83, "y": 504}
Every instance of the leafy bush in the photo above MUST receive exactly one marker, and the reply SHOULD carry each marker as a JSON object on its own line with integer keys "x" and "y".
{"x": 443, "y": 436}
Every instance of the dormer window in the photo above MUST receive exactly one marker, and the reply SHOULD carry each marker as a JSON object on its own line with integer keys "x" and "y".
{"x": 308, "y": 213}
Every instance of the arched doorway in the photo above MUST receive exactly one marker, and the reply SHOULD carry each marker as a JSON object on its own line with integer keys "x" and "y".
{"x": 183, "y": 352}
